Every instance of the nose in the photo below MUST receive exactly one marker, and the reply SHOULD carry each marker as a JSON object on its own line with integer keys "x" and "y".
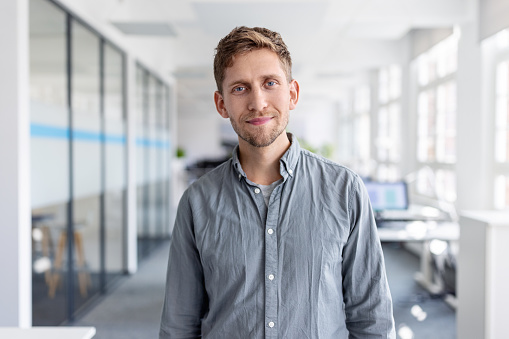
{"x": 257, "y": 100}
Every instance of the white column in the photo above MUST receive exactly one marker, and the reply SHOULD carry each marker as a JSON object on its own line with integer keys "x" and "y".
{"x": 15, "y": 221}
{"x": 472, "y": 129}
{"x": 131, "y": 244}
{"x": 483, "y": 275}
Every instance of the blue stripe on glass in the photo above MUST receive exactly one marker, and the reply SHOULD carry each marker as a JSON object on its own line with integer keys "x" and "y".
{"x": 82, "y": 135}
{"x": 114, "y": 139}
{"x": 45, "y": 131}
{"x": 152, "y": 143}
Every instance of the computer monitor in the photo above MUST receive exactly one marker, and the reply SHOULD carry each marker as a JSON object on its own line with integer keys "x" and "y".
{"x": 387, "y": 195}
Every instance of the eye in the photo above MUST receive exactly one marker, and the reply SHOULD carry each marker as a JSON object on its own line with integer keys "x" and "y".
{"x": 271, "y": 83}
{"x": 239, "y": 89}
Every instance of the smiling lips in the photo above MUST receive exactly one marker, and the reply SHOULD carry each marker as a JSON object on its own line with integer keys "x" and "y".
{"x": 259, "y": 121}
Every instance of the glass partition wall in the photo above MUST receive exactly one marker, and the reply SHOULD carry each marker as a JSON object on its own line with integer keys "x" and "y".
{"x": 114, "y": 157}
{"x": 153, "y": 155}
{"x": 49, "y": 159}
{"x": 78, "y": 163}
{"x": 86, "y": 159}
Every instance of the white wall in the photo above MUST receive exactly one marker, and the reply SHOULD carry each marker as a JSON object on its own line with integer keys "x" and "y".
{"x": 15, "y": 224}
{"x": 472, "y": 128}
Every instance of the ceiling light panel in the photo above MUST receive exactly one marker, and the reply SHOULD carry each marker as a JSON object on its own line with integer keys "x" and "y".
{"x": 146, "y": 28}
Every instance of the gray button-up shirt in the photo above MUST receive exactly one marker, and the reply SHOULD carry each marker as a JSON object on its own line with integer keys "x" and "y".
{"x": 308, "y": 265}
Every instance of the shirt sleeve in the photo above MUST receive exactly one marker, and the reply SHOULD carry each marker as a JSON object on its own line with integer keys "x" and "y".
{"x": 368, "y": 303}
{"x": 185, "y": 301}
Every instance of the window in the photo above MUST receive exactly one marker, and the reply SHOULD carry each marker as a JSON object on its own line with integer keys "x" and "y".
{"x": 354, "y": 127}
{"x": 501, "y": 189}
{"x": 436, "y": 119}
{"x": 388, "y": 133}
{"x": 361, "y": 129}
{"x": 502, "y": 192}
{"x": 345, "y": 147}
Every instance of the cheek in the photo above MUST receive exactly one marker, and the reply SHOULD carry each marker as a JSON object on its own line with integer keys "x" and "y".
{"x": 285, "y": 102}
{"x": 234, "y": 108}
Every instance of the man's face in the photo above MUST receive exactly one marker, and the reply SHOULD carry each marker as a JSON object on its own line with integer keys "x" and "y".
{"x": 257, "y": 97}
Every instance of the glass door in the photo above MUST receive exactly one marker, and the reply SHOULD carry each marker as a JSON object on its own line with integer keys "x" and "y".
{"x": 114, "y": 162}
{"x": 49, "y": 129}
{"x": 86, "y": 138}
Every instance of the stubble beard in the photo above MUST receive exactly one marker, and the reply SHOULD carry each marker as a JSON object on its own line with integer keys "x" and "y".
{"x": 261, "y": 137}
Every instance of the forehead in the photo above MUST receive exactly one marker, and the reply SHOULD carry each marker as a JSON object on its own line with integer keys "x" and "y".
{"x": 254, "y": 63}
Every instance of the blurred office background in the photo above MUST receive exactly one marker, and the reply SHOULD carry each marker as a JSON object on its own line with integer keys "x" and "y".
{"x": 107, "y": 114}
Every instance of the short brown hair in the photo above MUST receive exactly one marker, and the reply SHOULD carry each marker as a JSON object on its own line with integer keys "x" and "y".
{"x": 245, "y": 39}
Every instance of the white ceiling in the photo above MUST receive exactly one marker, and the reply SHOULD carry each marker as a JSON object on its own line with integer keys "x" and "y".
{"x": 331, "y": 41}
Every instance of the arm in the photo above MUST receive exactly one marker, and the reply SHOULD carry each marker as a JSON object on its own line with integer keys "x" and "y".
{"x": 368, "y": 304}
{"x": 185, "y": 301}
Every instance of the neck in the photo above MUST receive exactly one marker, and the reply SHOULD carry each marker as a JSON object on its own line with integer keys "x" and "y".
{"x": 261, "y": 164}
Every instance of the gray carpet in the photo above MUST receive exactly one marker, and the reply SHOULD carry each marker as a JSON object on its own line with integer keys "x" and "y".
{"x": 432, "y": 318}
{"x": 133, "y": 309}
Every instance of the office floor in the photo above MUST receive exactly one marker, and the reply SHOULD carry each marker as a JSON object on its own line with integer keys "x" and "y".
{"x": 417, "y": 314}
{"x": 133, "y": 309}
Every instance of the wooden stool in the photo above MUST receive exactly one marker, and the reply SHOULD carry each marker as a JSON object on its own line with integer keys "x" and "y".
{"x": 83, "y": 276}
{"x": 41, "y": 234}
{"x": 46, "y": 246}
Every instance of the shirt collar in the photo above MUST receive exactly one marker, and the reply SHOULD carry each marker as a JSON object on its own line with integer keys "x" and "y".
{"x": 288, "y": 161}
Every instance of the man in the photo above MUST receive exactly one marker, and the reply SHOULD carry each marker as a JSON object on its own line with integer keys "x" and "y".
{"x": 276, "y": 242}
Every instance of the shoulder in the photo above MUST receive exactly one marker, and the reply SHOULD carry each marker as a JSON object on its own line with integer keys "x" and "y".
{"x": 211, "y": 180}
{"x": 315, "y": 162}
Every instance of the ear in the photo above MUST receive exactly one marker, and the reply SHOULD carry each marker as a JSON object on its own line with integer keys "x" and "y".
{"x": 219, "y": 101}
{"x": 294, "y": 94}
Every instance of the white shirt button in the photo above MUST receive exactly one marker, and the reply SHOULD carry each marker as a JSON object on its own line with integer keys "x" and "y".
{"x": 271, "y": 324}
{"x": 290, "y": 171}
{"x": 270, "y": 231}
{"x": 240, "y": 175}
{"x": 257, "y": 190}
{"x": 271, "y": 276}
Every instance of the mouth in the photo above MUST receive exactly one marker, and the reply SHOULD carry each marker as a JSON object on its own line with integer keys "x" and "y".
{"x": 259, "y": 121}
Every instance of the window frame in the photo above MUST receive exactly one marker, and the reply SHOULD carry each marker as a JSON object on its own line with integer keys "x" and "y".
{"x": 436, "y": 167}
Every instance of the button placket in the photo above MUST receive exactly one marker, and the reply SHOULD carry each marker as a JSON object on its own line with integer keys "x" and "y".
{"x": 271, "y": 266}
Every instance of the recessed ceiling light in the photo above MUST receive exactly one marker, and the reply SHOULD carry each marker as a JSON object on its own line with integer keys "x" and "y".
{"x": 146, "y": 28}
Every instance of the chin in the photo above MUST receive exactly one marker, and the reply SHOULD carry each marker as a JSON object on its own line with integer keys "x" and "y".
{"x": 261, "y": 140}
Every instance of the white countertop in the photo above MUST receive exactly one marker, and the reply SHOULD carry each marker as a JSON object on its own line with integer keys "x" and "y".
{"x": 45, "y": 332}
{"x": 494, "y": 218}
{"x": 420, "y": 231}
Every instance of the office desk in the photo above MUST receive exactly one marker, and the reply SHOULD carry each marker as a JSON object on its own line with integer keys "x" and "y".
{"x": 44, "y": 332}
{"x": 425, "y": 232}
{"x": 391, "y": 231}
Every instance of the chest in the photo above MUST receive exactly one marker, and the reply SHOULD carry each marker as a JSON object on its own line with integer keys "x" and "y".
{"x": 235, "y": 236}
